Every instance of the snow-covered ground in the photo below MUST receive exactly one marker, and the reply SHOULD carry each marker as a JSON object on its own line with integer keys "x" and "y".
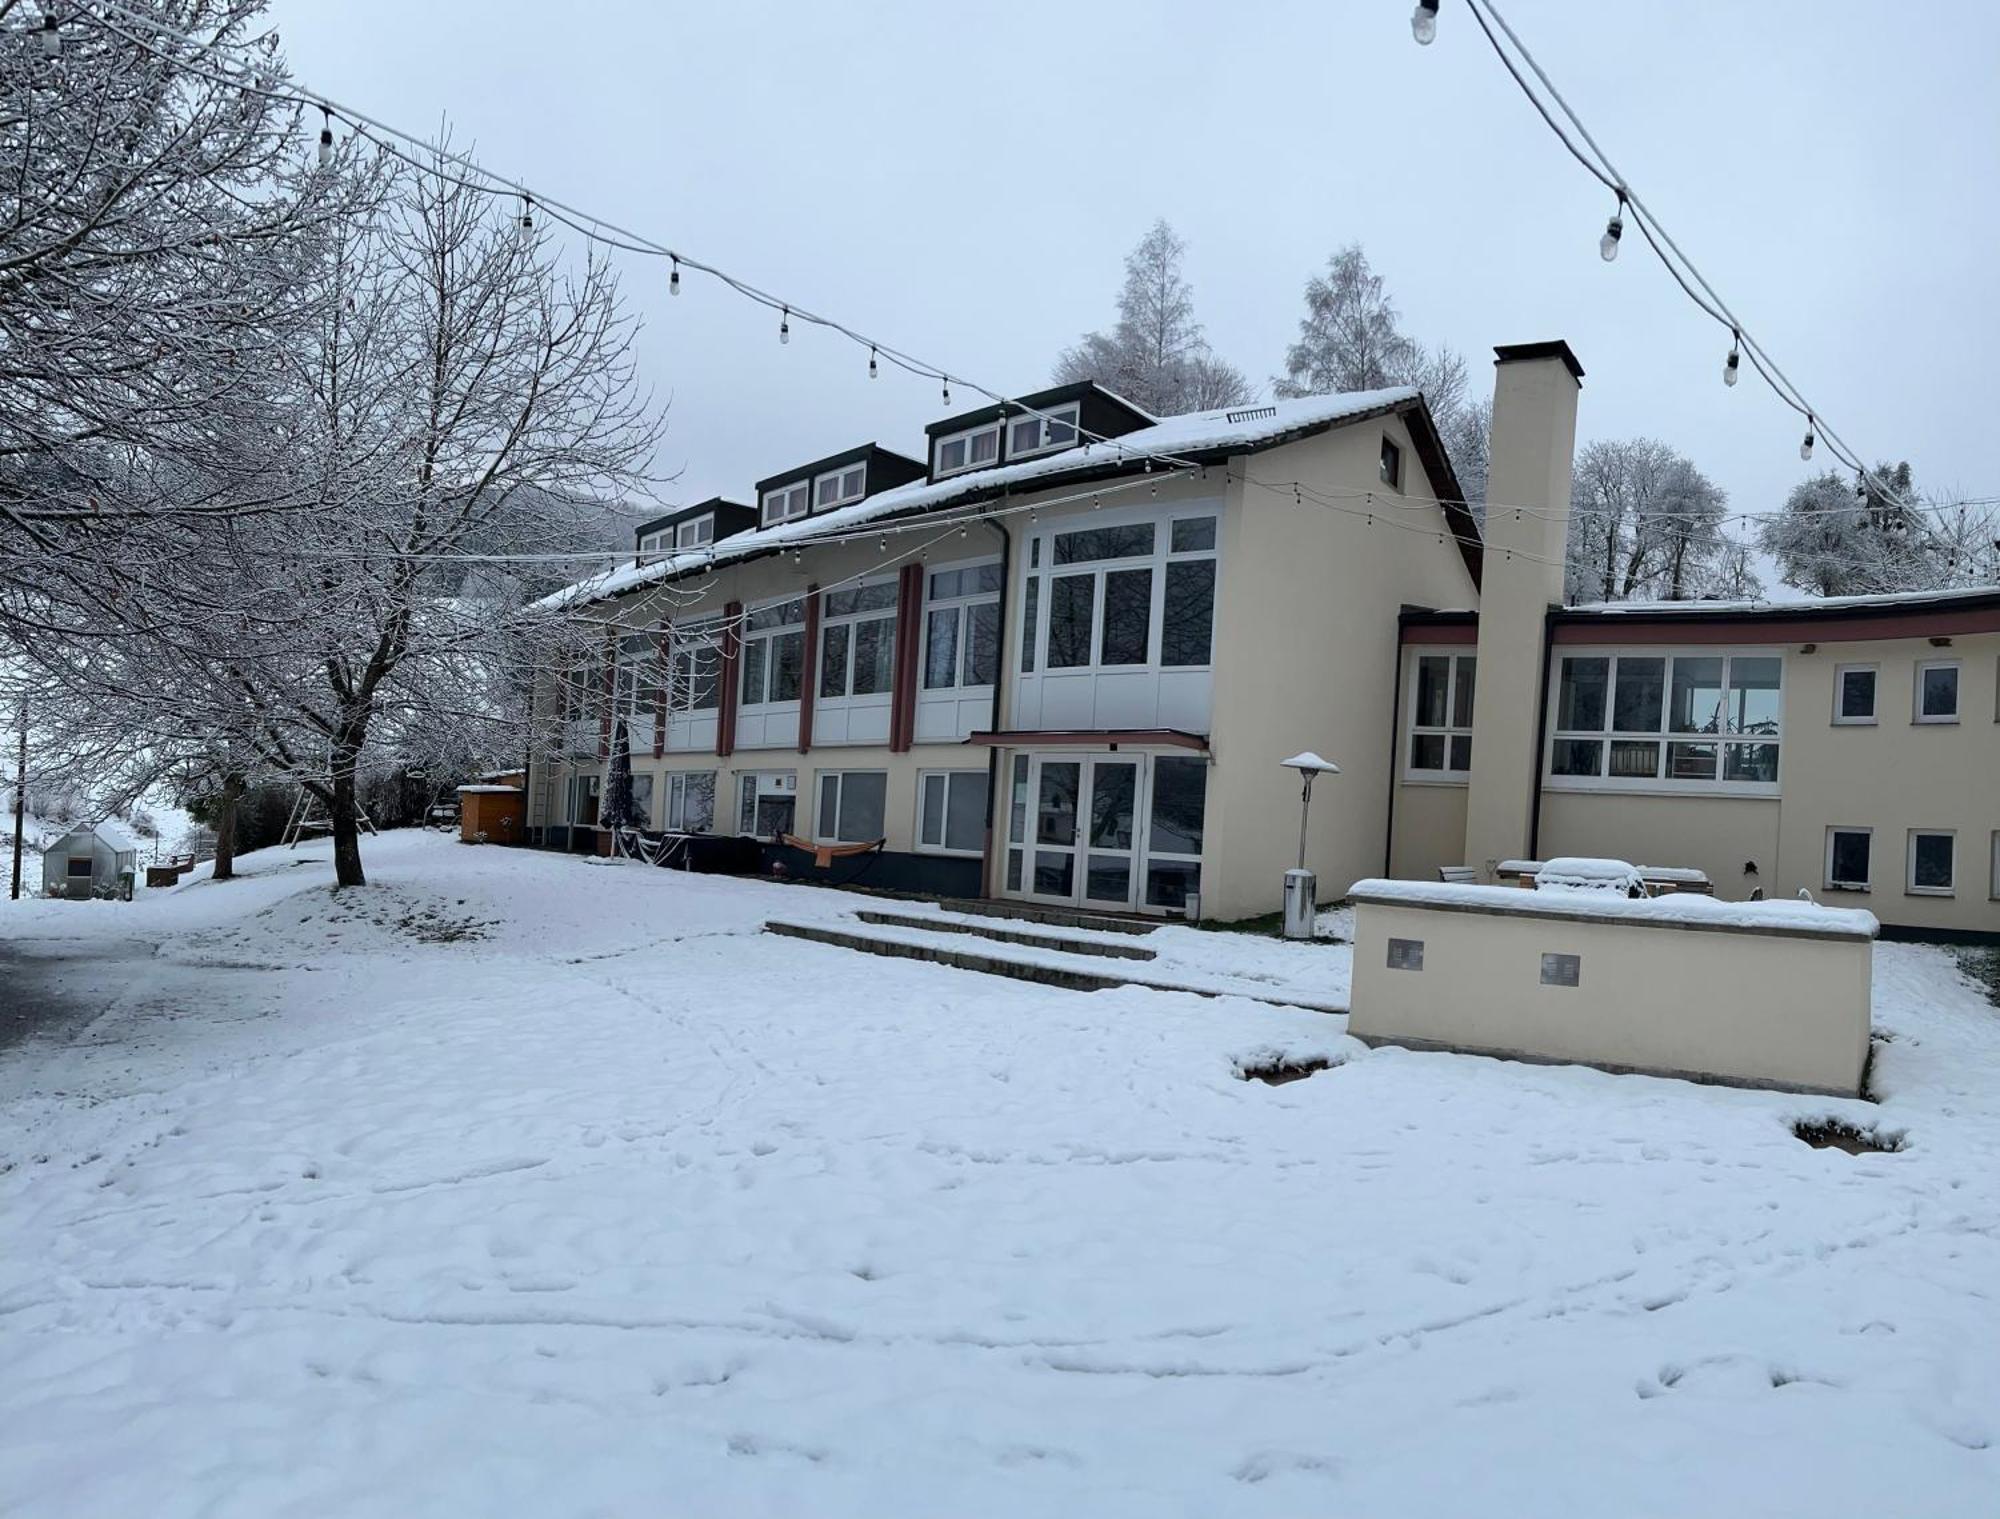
{"x": 520, "y": 1184}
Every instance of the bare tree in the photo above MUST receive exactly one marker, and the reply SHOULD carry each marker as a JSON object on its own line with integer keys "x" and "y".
{"x": 1833, "y": 538}
{"x": 1644, "y": 523}
{"x": 1156, "y": 356}
{"x": 1351, "y": 339}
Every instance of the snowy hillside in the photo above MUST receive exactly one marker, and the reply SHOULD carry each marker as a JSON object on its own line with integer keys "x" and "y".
{"x": 519, "y": 1184}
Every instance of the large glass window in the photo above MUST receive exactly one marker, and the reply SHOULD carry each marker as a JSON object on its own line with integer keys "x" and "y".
{"x": 1678, "y": 719}
{"x": 857, "y": 641}
{"x": 852, "y": 804}
{"x": 695, "y": 666}
{"x": 1173, "y": 837}
{"x": 1107, "y": 611}
{"x": 767, "y": 802}
{"x": 951, "y": 811}
{"x": 774, "y": 646}
{"x": 962, "y": 627}
{"x": 1440, "y": 731}
{"x": 690, "y": 801}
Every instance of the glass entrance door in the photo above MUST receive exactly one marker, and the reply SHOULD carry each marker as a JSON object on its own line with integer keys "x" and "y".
{"x": 1074, "y": 829}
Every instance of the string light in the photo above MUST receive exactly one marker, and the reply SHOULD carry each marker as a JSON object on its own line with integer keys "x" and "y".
{"x": 1424, "y": 22}
{"x": 1806, "y": 447}
{"x": 785, "y": 325}
{"x": 1607, "y": 245}
{"x": 674, "y": 279}
{"x": 874, "y": 372}
{"x": 1735, "y": 358}
{"x": 325, "y": 137}
{"x": 947, "y": 390}
{"x": 527, "y": 218}
{"x": 51, "y": 35}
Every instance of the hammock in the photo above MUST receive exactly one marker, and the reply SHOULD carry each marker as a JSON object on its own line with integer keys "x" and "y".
{"x": 825, "y": 854}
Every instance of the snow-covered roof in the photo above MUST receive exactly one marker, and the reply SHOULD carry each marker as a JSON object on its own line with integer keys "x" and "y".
{"x": 1197, "y": 432}
{"x": 113, "y": 834}
{"x": 1787, "y": 604}
{"x": 1679, "y": 909}
{"x": 490, "y": 790}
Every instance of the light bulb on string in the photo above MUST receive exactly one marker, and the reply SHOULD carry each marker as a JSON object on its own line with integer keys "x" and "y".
{"x": 527, "y": 223}
{"x": 1607, "y": 245}
{"x": 874, "y": 371}
{"x": 947, "y": 390}
{"x": 674, "y": 279}
{"x": 1806, "y": 447}
{"x": 325, "y": 137}
{"x": 785, "y": 325}
{"x": 1424, "y": 22}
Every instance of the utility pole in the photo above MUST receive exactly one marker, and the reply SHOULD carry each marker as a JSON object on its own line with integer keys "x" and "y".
{"x": 20, "y": 799}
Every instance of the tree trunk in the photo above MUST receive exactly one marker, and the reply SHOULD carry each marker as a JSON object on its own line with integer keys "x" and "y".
{"x": 345, "y": 813}
{"x": 225, "y": 828}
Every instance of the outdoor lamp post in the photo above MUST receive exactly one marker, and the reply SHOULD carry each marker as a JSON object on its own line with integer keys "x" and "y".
{"x": 1301, "y": 887}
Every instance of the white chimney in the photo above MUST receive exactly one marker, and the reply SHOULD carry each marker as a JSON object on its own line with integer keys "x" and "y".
{"x": 1535, "y": 387}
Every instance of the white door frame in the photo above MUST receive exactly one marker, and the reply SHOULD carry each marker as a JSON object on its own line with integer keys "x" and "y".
{"x": 1090, "y": 764}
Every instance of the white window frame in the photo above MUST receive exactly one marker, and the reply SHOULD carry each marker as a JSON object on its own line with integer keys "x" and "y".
{"x": 1659, "y": 783}
{"x": 1827, "y": 878}
{"x": 1412, "y": 729}
{"x": 787, "y": 502}
{"x": 754, "y": 780}
{"x": 852, "y": 622}
{"x": 673, "y": 817}
{"x": 1910, "y": 887}
{"x": 1840, "y": 674}
{"x": 826, "y": 830}
{"x": 962, "y": 604}
{"x": 1917, "y": 713}
{"x": 849, "y": 482}
{"x": 768, "y": 636}
{"x": 938, "y": 466}
{"x": 1044, "y": 572}
{"x": 696, "y": 532}
{"x": 948, "y": 778}
{"x": 1046, "y": 419}
{"x": 687, "y": 643}
{"x": 650, "y": 544}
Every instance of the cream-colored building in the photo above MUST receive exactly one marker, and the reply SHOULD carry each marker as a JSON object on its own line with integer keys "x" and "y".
{"x": 1061, "y": 657}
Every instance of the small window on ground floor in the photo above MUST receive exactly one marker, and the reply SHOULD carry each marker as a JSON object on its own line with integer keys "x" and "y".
{"x": 1937, "y": 691}
{"x": 951, "y": 811}
{"x": 767, "y": 803}
{"x": 690, "y": 801}
{"x": 1440, "y": 716}
{"x": 1848, "y": 853}
{"x": 1933, "y": 863}
{"x": 584, "y": 794}
{"x": 1174, "y": 830}
{"x": 852, "y": 804}
{"x": 641, "y": 815}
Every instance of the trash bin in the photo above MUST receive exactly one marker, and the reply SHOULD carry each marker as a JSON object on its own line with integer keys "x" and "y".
{"x": 1301, "y": 890}
{"x": 125, "y": 882}
{"x": 1191, "y": 907}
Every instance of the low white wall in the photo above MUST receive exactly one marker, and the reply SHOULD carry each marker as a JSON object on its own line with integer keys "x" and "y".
{"x": 1665, "y": 987}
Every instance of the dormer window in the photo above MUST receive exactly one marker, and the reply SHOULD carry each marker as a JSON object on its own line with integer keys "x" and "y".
{"x": 787, "y": 502}
{"x": 695, "y": 532}
{"x": 1054, "y": 428}
{"x": 650, "y": 545}
{"x": 840, "y": 486}
{"x": 968, "y": 450}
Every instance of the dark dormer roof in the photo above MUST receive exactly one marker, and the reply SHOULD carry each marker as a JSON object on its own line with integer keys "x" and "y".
{"x": 886, "y": 469}
{"x": 730, "y": 517}
{"x": 1114, "y": 414}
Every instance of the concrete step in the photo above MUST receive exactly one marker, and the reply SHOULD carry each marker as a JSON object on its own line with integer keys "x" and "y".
{"x": 1073, "y": 944}
{"x": 1065, "y": 968}
{"x": 1055, "y": 917}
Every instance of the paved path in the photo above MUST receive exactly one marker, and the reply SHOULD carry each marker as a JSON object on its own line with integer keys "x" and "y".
{"x": 57, "y": 987}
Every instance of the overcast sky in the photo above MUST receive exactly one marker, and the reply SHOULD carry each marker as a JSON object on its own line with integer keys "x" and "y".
{"x": 966, "y": 180}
